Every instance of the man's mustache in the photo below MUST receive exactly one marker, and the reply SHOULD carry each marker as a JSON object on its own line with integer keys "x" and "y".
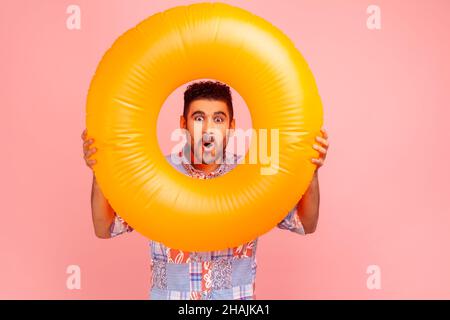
{"x": 207, "y": 137}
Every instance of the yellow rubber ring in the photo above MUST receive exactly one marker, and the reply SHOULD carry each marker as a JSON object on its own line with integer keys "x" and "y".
{"x": 134, "y": 78}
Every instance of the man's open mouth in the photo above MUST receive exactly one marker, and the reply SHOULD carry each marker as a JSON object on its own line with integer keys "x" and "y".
{"x": 208, "y": 142}
{"x": 207, "y": 146}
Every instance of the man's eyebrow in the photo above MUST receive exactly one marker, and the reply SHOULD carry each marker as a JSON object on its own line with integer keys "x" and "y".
{"x": 221, "y": 112}
{"x": 198, "y": 112}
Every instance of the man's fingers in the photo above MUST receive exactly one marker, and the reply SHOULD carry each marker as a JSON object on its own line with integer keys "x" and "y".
{"x": 324, "y": 133}
{"x": 323, "y": 141}
{"x": 87, "y": 143}
{"x": 89, "y": 152}
{"x": 317, "y": 161}
{"x": 320, "y": 149}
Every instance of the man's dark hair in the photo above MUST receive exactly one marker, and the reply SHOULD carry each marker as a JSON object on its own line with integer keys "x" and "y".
{"x": 212, "y": 90}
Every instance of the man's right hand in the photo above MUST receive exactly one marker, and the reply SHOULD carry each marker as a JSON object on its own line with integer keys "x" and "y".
{"x": 87, "y": 150}
{"x": 103, "y": 214}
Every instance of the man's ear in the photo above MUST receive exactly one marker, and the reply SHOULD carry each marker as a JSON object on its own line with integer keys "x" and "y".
{"x": 183, "y": 122}
{"x": 232, "y": 124}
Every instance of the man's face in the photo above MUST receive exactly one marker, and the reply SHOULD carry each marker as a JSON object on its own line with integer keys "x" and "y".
{"x": 207, "y": 123}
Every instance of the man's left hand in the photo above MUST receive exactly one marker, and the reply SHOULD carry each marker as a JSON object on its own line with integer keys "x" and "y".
{"x": 321, "y": 146}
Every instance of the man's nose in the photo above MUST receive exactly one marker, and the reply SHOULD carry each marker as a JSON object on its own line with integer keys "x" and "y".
{"x": 208, "y": 124}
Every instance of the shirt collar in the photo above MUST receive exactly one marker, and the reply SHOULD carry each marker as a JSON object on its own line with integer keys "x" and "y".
{"x": 193, "y": 172}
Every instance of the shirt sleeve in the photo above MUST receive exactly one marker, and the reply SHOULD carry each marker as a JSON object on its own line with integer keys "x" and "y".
{"x": 292, "y": 222}
{"x": 119, "y": 226}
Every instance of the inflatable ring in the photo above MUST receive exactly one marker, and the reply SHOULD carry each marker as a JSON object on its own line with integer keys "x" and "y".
{"x": 137, "y": 74}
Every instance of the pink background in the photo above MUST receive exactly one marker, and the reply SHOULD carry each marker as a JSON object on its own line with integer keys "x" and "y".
{"x": 384, "y": 186}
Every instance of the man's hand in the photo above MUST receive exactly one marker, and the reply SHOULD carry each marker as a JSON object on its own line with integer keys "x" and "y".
{"x": 322, "y": 147}
{"x": 87, "y": 150}
{"x": 102, "y": 213}
{"x": 308, "y": 206}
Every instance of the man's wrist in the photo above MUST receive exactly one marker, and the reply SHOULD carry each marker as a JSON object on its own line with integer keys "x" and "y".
{"x": 94, "y": 182}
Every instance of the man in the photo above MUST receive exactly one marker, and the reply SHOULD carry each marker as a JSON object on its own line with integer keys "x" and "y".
{"x": 223, "y": 274}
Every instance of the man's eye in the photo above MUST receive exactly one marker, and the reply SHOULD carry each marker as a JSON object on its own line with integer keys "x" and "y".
{"x": 198, "y": 118}
{"x": 218, "y": 120}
